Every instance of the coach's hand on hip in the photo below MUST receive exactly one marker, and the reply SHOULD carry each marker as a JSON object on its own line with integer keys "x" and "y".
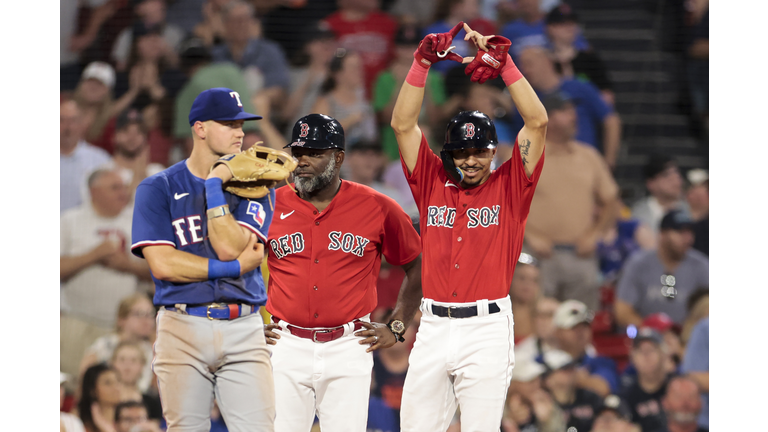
{"x": 377, "y": 335}
{"x": 272, "y": 336}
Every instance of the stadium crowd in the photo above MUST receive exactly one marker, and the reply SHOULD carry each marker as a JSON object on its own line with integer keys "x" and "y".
{"x": 610, "y": 298}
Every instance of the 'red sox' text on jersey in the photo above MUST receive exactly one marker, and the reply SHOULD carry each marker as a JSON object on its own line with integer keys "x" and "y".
{"x": 323, "y": 266}
{"x": 471, "y": 238}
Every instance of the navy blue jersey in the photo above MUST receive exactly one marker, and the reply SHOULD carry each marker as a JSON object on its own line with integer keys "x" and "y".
{"x": 170, "y": 209}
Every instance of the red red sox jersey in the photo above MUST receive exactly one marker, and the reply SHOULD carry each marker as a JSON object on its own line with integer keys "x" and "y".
{"x": 471, "y": 238}
{"x": 323, "y": 265}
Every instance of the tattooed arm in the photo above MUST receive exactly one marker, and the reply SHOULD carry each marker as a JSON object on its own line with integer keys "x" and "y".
{"x": 530, "y": 140}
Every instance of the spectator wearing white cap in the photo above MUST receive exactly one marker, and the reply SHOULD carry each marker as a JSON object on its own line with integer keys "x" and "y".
{"x": 529, "y": 407}
{"x": 574, "y": 336}
{"x": 578, "y": 404}
{"x": 662, "y": 279}
{"x": 697, "y": 196}
{"x": 94, "y": 95}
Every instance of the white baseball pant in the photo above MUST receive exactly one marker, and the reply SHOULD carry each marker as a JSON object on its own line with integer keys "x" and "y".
{"x": 196, "y": 358}
{"x": 329, "y": 379}
{"x": 464, "y": 361}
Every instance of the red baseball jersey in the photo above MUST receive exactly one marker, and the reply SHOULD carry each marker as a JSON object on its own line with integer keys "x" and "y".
{"x": 471, "y": 238}
{"x": 323, "y": 265}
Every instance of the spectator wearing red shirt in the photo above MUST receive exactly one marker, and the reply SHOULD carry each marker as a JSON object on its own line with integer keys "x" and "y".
{"x": 360, "y": 26}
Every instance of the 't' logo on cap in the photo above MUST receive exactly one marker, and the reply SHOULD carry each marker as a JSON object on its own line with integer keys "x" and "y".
{"x": 236, "y": 95}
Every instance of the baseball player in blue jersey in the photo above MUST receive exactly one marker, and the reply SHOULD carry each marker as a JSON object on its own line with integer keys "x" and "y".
{"x": 204, "y": 247}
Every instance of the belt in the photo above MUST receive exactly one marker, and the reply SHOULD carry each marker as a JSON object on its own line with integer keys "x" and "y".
{"x": 212, "y": 311}
{"x": 319, "y": 335}
{"x": 461, "y": 312}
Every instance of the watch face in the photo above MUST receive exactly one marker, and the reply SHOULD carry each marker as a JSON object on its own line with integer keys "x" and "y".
{"x": 398, "y": 326}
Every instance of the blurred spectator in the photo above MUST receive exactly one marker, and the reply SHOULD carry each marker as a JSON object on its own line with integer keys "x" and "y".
{"x": 99, "y": 395}
{"x": 203, "y": 75}
{"x": 448, "y": 13}
{"x": 682, "y": 406}
{"x": 77, "y": 157}
{"x": 360, "y": 26}
{"x": 151, "y": 14}
{"x": 524, "y": 292}
{"x": 129, "y": 361}
{"x": 185, "y": 14}
{"x": 381, "y": 418}
{"x": 662, "y": 279}
{"x": 665, "y": 188}
{"x": 389, "y": 82}
{"x": 584, "y": 64}
{"x": 211, "y": 30}
{"x": 132, "y": 151}
{"x": 312, "y": 71}
{"x": 279, "y": 17}
{"x": 696, "y": 367}
{"x": 697, "y": 197}
{"x": 597, "y": 123}
{"x": 566, "y": 222}
{"x": 69, "y": 63}
{"x": 342, "y": 97}
{"x": 69, "y": 422}
{"x": 389, "y": 369}
{"x": 698, "y": 309}
{"x": 94, "y": 97}
{"x": 489, "y": 98}
{"x": 671, "y": 333}
{"x": 135, "y": 324}
{"x": 528, "y": 29}
{"x": 131, "y": 416}
{"x": 96, "y": 268}
{"x": 262, "y": 61}
{"x": 105, "y": 20}
{"x": 643, "y": 395}
{"x": 621, "y": 240}
{"x": 529, "y": 407}
{"x": 613, "y": 416}
{"x": 543, "y": 339}
{"x": 697, "y": 64}
{"x": 574, "y": 336}
{"x": 410, "y": 13}
{"x": 578, "y": 404}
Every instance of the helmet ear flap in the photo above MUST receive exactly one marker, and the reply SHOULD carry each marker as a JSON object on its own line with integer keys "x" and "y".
{"x": 450, "y": 167}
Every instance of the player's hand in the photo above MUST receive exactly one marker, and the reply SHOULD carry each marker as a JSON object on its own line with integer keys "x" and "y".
{"x": 586, "y": 245}
{"x": 252, "y": 256}
{"x": 491, "y": 56}
{"x": 479, "y": 40}
{"x": 377, "y": 335}
{"x": 221, "y": 171}
{"x": 437, "y": 47}
{"x": 271, "y": 335}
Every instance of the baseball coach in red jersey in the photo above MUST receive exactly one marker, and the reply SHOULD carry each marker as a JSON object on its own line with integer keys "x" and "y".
{"x": 325, "y": 248}
{"x": 472, "y": 225}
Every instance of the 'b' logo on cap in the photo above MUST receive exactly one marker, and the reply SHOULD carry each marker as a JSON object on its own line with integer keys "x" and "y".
{"x": 304, "y": 130}
{"x": 469, "y": 130}
{"x": 237, "y": 97}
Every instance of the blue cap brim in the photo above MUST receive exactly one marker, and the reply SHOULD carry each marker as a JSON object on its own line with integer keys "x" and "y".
{"x": 241, "y": 116}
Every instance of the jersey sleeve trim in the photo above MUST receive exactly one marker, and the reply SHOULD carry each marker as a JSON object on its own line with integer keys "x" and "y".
{"x": 136, "y": 247}
{"x": 254, "y": 230}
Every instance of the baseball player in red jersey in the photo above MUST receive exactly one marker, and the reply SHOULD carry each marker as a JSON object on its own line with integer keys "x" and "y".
{"x": 325, "y": 253}
{"x": 472, "y": 225}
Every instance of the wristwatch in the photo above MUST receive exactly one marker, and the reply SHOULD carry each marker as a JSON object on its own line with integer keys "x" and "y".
{"x": 397, "y": 328}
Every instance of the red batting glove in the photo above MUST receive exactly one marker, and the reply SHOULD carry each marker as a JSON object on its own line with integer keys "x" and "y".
{"x": 488, "y": 65}
{"x": 427, "y": 53}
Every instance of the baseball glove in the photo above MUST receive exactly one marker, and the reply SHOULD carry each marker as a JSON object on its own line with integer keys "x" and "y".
{"x": 256, "y": 170}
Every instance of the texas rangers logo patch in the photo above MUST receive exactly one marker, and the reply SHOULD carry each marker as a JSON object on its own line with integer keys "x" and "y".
{"x": 256, "y": 210}
{"x": 469, "y": 130}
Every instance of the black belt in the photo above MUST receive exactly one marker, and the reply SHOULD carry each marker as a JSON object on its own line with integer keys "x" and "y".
{"x": 462, "y": 312}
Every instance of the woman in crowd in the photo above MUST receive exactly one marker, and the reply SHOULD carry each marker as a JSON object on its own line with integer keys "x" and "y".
{"x": 135, "y": 323}
{"x": 99, "y": 395}
{"x": 342, "y": 97}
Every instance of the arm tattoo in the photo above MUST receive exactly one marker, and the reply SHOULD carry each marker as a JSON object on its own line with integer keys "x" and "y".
{"x": 524, "y": 146}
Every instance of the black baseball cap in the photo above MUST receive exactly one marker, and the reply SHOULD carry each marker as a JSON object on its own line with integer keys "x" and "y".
{"x": 657, "y": 163}
{"x": 616, "y": 404}
{"x": 555, "y": 101}
{"x": 676, "y": 220}
{"x": 562, "y": 13}
{"x": 128, "y": 117}
{"x": 647, "y": 334}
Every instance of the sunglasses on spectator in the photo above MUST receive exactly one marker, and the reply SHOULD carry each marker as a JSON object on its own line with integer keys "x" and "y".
{"x": 668, "y": 286}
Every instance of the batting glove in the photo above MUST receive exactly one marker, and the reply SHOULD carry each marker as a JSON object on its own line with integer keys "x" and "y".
{"x": 437, "y": 47}
{"x": 488, "y": 65}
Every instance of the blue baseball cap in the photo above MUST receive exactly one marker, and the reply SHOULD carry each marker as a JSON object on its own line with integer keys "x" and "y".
{"x": 220, "y": 104}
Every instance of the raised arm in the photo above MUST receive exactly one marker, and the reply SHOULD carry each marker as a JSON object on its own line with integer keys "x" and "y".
{"x": 227, "y": 237}
{"x": 405, "y": 116}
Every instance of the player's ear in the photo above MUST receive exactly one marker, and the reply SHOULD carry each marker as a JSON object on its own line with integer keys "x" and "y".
{"x": 199, "y": 129}
{"x": 339, "y": 157}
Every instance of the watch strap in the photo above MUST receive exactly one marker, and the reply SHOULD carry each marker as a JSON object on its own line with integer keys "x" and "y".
{"x": 219, "y": 211}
